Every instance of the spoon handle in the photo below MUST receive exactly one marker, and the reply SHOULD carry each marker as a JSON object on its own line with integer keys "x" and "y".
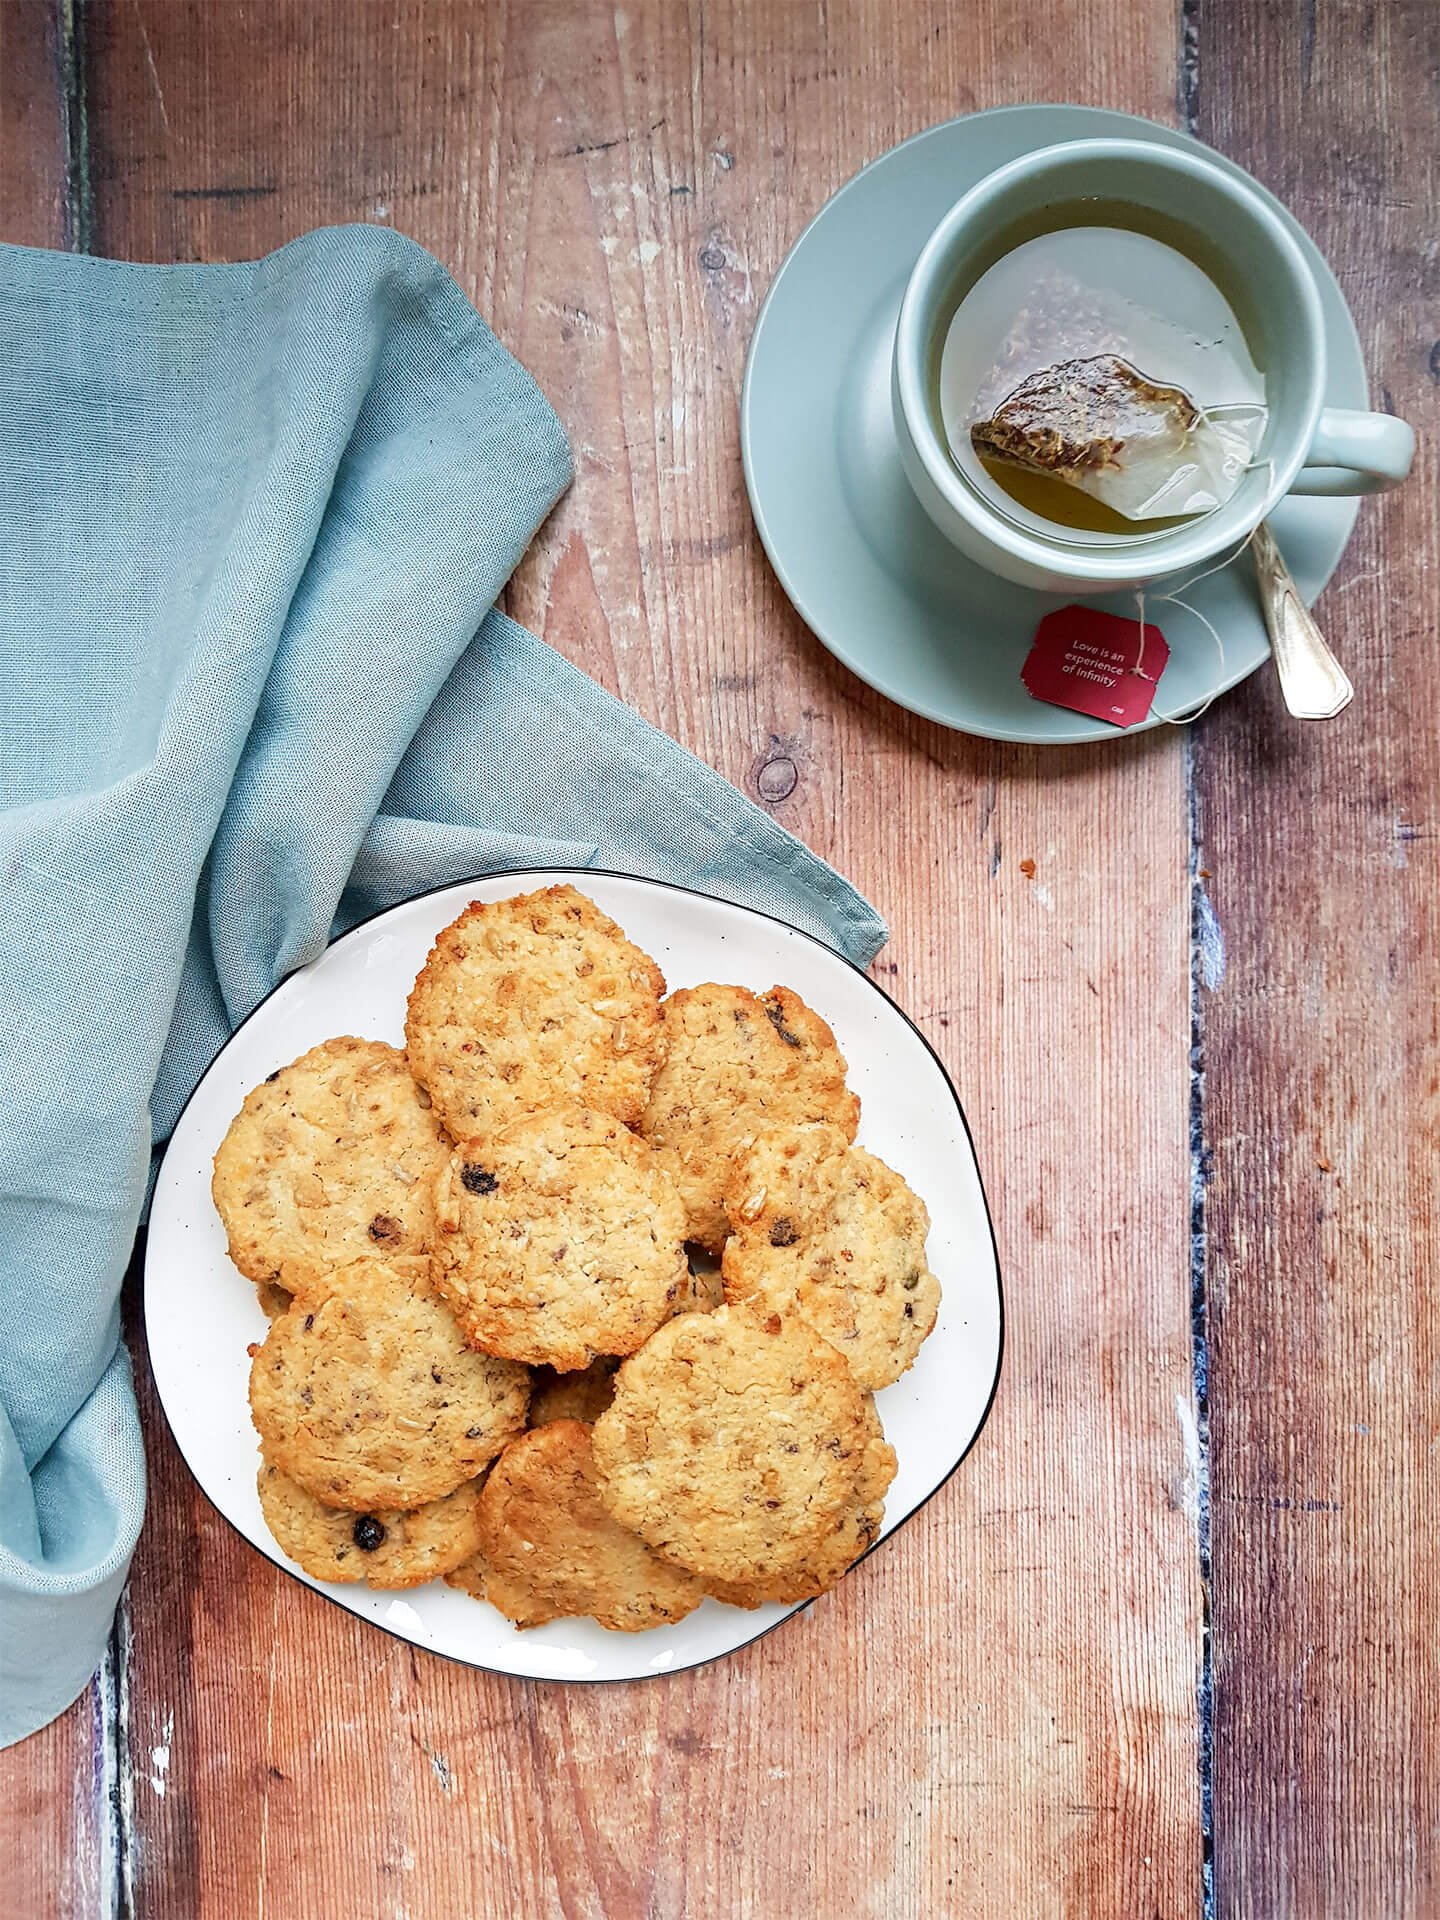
{"x": 1315, "y": 685}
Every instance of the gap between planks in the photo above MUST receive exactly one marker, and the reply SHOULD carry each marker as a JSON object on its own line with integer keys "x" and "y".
{"x": 1203, "y": 936}
{"x": 114, "y": 1771}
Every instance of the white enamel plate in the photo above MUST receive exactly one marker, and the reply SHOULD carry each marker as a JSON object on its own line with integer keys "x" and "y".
{"x": 200, "y": 1313}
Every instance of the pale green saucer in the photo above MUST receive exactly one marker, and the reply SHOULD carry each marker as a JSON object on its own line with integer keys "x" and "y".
{"x": 853, "y": 549}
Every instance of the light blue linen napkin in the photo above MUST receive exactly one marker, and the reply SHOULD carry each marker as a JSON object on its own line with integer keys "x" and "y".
{"x": 253, "y": 520}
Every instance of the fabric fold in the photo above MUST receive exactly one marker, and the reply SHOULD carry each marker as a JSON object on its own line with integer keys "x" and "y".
{"x": 253, "y": 523}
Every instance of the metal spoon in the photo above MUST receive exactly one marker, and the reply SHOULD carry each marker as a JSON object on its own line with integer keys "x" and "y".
{"x": 1315, "y": 685}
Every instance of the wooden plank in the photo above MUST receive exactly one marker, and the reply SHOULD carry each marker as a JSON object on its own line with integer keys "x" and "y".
{"x": 52, "y": 1829}
{"x": 1321, "y": 1064}
{"x": 32, "y": 125}
{"x": 998, "y": 1713}
{"x": 54, "y": 1823}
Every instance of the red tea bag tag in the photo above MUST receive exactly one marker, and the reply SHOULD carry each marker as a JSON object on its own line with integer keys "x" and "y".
{"x": 1096, "y": 663}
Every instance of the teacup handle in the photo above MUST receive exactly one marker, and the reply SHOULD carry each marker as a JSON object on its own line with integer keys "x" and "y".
{"x": 1356, "y": 453}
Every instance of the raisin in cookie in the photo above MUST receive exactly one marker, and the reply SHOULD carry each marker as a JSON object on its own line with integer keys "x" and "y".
{"x": 558, "y": 1239}
{"x": 852, "y": 1535}
{"x": 738, "y": 1065}
{"x": 370, "y": 1398}
{"x": 385, "y": 1549}
{"x": 530, "y": 1000}
{"x": 825, "y": 1230}
{"x": 551, "y": 1550}
{"x": 735, "y": 1443}
{"x": 330, "y": 1159}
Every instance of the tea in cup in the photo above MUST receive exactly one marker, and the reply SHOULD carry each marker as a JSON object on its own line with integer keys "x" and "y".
{"x": 1109, "y": 366}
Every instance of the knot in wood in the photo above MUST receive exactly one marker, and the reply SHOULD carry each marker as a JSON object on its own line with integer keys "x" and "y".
{"x": 776, "y": 779}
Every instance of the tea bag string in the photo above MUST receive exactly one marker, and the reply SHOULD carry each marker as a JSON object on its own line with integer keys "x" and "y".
{"x": 1173, "y": 598}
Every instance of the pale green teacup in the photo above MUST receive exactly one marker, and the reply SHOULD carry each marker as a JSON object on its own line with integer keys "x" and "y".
{"x": 1307, "y": 447}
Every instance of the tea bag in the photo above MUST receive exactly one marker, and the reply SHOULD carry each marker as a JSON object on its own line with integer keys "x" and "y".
{"x": 1097, "y": 423}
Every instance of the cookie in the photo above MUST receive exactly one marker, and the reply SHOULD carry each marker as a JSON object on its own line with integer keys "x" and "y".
{"x": 370, "y": 1398}
{"x": 469, "y": 1577}
{"x": 531, "y": 1000}
{"x": 385, "y": 1549}
{"x": 825, "y": 1230}
{"x": 558, "y": 1239}
{"x": 330, "y": 1159}
{"x": 585, "y": 1395}
{"x": 551, "y": 1550}
{"x": 572, "y": 1396}
{"x": 738, "y": 1065}
{"x": 853, "y": 1534}
{"x": 735, "y": 1443}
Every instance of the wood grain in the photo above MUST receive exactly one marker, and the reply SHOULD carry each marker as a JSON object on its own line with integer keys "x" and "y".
{"x": 56, "y": 1834}
{"x": 998, "y": 1713}
{"x": 1322, "y": 1065}
{"x": 54, "y": 1830}
{"x": 952, "y": 1732}
{"x": 32, "y": 124}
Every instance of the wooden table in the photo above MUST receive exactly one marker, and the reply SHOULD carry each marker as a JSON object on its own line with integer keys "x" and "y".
{"x": 1173, "y": 1628}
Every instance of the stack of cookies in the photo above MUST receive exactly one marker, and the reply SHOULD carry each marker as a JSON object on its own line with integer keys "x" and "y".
{"x": 579, "y": 1301}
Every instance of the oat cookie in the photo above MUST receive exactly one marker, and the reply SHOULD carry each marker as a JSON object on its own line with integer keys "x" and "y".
{"x": 586, "y": 1395}
{"x": 370, "y": 1398}
{"x": 825, "y": 1230}
{"x": 738, "y": 1065}
{"x": 384, "y": 1549}
{"x": 526, "y": 1001}
{"x": 558, "y": 1239}
{"x": 853, "y": 1534}
{"x": 572, "y": 1396}
{"x": 551, "y": 1550}
{"x": 469, "y": 1577}
{"x": 329, "y": 1160}
{"x": 735, "y": 1443}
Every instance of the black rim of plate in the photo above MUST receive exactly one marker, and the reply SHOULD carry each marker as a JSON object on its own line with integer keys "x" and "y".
{"x": 804, "y": 1606}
